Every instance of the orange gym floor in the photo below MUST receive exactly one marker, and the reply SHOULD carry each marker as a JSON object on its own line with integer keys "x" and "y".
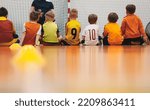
{"x": 81, "y": 69}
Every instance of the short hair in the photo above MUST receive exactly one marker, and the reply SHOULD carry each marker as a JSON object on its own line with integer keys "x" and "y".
{"x": 113, "y": 17}
{"x": 50, "y": 14}
{"x": 130, "y": 8}
{"x": 3, "y": 11}
{"x": 92, "y": 18}
{"x": 73, "y": 13}
{"x": 34, "y": 16}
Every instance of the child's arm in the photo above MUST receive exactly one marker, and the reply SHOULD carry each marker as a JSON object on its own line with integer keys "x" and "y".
{"x": 23, "y": 34}
{"x": 105, "y": 33}
{"x": 22, "y": 37}
{"x": 66, "y": 29}
{"x": 123, "y": 26}
{"x": 57, "y": 32}
{"x": 37, "y": 39}
{"x": 38, "y": 35}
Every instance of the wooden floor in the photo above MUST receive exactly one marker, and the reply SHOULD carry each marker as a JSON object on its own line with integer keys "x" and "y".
{"x": 81, "y": 69}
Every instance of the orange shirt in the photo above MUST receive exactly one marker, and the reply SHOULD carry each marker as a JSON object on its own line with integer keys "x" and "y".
{"x": 132, "y": 27}
{"x": 113, "y": 32}
{"x": 31, "y": 30}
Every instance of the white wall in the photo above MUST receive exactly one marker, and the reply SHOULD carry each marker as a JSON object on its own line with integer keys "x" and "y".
{"x": 103, "y": 7}
{"x": 19, "y": 12}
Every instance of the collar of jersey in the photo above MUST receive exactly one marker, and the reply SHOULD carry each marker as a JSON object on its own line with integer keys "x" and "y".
{"x": 3, "y": 18}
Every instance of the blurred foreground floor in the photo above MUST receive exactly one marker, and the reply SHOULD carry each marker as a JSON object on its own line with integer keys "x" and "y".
{"x": 81, "y": 69}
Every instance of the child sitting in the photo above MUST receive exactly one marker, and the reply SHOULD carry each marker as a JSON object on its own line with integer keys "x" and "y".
{"x": 91, "y": 33}
{"x": 73, "y": 29}
{"x": 112, "y": 32}
{"x": 8, "y": 34}
{"x": 31, "y": 31}
{"x": 132, "y": 28}
{"x": 50, "y": 28}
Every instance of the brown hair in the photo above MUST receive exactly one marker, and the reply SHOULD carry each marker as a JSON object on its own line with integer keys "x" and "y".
{"x": 34, "y": 16}
{"x": 113, "y": 17}
{"x": 92, "y": 18}
{"x": 130, "y": 8}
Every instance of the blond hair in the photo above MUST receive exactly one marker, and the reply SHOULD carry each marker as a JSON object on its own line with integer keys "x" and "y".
{"x": 50, "y": 15}
{"x": 73, "y": 13}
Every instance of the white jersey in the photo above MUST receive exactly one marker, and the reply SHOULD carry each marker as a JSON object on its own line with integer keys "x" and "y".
{"x": 91, "y": 33}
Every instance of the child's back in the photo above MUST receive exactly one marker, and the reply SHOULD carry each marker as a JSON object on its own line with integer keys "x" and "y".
{"x": 91, "y": 33}
{"x": 132, "y": 27}
{"x": 112, "y": 32}
{"x": 50, "y": 32}
{"x": 7, "y": 31}
{"x": 50, "y": 29}
{"x": 31, "y": 30}
{"x": 73, "y": 31}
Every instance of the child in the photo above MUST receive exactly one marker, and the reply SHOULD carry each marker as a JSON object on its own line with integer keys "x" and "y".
{"x": 112, "y": 32}
{"x": 91, "y": 33}
{"x": 50, "y": 28}
{"x": 32, "y": 30}
{"x": 73, "y": 29}
{"x": 132, "y": 28}
{"x": 8, "y": 34}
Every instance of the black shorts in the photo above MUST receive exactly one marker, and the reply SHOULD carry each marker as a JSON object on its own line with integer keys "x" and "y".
{"x": 133, "y": 41}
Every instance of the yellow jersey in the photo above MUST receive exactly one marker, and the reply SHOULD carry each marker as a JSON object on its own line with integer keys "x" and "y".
{"x": 50, "y": 32}
{"x": 113, "y": 32}
{"x": 73, "y": 29}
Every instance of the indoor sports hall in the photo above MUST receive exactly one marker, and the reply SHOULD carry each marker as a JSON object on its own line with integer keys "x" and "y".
{"x": 76, "y": 69}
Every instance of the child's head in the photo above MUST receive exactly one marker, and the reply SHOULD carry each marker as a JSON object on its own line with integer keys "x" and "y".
{"x": 92, "y": 18}
{"x": 130, "y": 9}
{"x": 3, "y": 12}
{"x": 50, "y": 16}
{"x": 34, "y": 16}
{"x": 112, "y": 17}
{"x": 73, "y": 14}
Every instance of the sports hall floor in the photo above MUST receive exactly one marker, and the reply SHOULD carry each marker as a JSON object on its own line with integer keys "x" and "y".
{"x": 81, "y": 69}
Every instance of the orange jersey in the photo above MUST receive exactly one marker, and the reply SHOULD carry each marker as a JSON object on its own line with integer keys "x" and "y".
{"x": 31, "y": 29}
{"x": 73, "y": 28}
{"x": 132, "y": 27}
{"x": 113, "y": 32}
